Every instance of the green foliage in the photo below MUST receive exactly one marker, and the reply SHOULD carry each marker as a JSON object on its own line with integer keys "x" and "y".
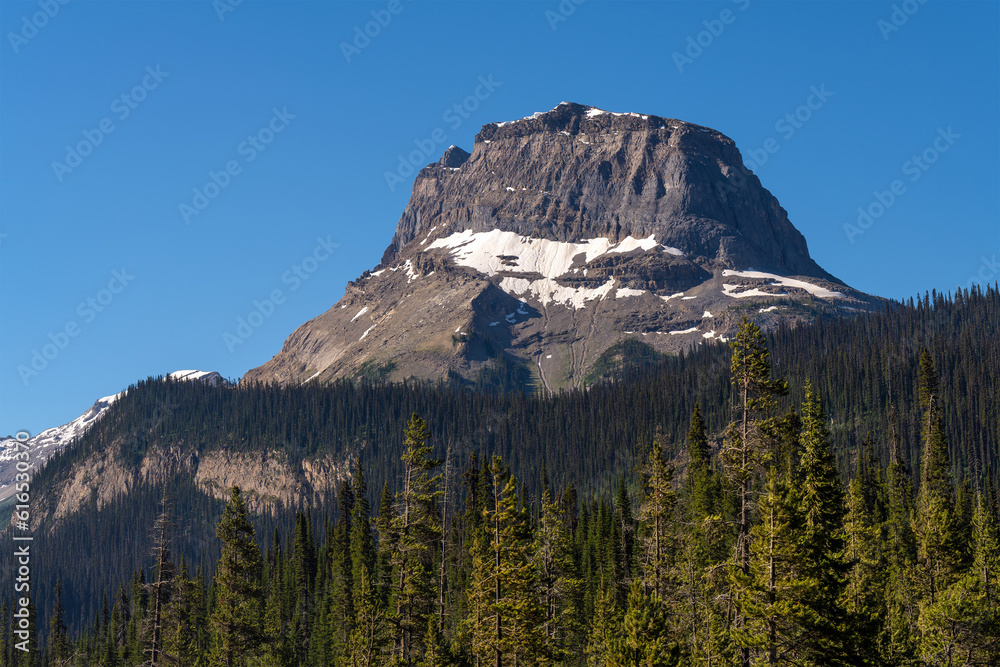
{"x": 237, "y": 620}
{"x": 594, "y": 559}
{"x": 375, "y": 371}
{"x": 621, "y": 361}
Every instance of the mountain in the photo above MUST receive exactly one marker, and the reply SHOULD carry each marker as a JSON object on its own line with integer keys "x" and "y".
{"x": 43, "y": 446}
{"x": 566, "y": 243}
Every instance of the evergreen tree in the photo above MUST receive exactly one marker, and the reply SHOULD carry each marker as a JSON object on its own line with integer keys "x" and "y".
{"x": 749, "y": 437}
{"x": 507, "y": 616}
{"x": 341, "y": 569}
{"x": 768, "y": 594}
{"x": 657, "y": 515}
{"x": 559, "y": 581}
{"x": 823, "y": 568}
{"x": 605, "y": 629}
{"x": 702, "y": 546}
{"x": 962, "y": 625}
{"x": 865, "y": 595}
{"x": 369, "y": 638}
{"x": 644, "y": 640}
{"x": 902, "y": 610}
{"x": 936, "y": 519}
{"x": 363, "y": 555}
{"x": 419, "y": 531}
{"x": 388, "y": 537}
{"x": 161, "y": 587}
{"x": 238, "y": 616}
{"x": 59, "y": 646}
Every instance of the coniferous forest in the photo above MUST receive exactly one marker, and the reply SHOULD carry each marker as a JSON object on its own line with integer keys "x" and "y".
{"x": 820, "y": 495}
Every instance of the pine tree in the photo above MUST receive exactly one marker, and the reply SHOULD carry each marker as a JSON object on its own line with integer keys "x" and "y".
{"x": 824, "y": 568}
{"x": 369, "y": 638}
{"x": 767, "y": 595}
{"x": 791, "y": 596}
{"x": 161, "y": 588}
{"x": 59, "y": 646}
{"x": 702, "y": 545}
{"x": 644, "y": 640}
{"x": 238, "y": 616}
{"x": 363, "y": 555}
{"x": 901, "y": 601}
{"x": 865, "y": 595}
{"x": 936, "y": 520}
{"x": 388, "y": 537}
{"x": 559, "y": 581}
{"x": 657, "y": 516}
{"x": 749, "y": 437}
{"x": 181, "y": 619}
{"x": 605, "y": 628}
{"x": 962, "y": 626}
{"x": 625, "y": 532}
{"x": 341, "y": 587}
{"x": 507, "y": 617}
{"x": 419, "y": 531}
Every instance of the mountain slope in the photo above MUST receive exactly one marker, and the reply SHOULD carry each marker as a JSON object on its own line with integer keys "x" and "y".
{"x": 51, "y": 441}
{"x": 559, "y": 236}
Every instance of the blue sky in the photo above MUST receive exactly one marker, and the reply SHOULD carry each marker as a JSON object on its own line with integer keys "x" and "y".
{"x": 142, "y": 103}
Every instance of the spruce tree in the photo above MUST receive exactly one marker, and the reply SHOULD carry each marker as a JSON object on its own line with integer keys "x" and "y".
{"x": 419, "y": 530}
{"x": 936, "y": 519}
{"x": 560, "y": 586}
{"x": 238, "y": 616}
{"x": 823, "y": 569}
{"x": 370, "y": 636}
{"x": 59, "y": 645}
{"x": 657, "y": 516}
{"x": 768, "y": 596}
{"x": 507, "y": 616}
{"x": 749, "y": 438}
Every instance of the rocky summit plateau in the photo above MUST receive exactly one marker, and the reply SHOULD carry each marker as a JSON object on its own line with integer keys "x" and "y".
{"x": 558, "y": 239}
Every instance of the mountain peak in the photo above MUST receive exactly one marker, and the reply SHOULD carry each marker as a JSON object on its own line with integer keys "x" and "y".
{"x": 561, "y": 235}
{"x": 573, "y": 118}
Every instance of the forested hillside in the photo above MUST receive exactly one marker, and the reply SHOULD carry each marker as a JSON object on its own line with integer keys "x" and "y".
{"x": 663, "y": 544}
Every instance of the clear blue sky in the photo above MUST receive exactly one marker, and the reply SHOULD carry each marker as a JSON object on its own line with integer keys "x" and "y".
{"x": 211, "y": 83}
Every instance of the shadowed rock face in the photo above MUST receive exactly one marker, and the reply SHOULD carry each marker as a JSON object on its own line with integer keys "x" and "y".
{"x": 560, "y": 235}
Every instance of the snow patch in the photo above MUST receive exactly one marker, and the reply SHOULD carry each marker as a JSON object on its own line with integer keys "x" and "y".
{"x": 594, "y": 112}
{"x": 708, "y": 313}
{"x": 483, "y": 251}
{"x": 768, "y": 309}
{"x": 628, "y": 291}
{"x": 727, "y": 289}
{"x": 360, "y": 313}
{"x": 815, "y": 290}
{"x": 311, "y": 377}
{"x": 685, "y": 331}
{"x": 551, "y": 259}
{"x": 367, "y": 331}
{"x": 549, "y": 291}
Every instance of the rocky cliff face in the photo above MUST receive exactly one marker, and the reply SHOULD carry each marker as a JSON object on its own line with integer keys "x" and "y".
{"x": 267, "y": 479}
{"x": 560, "y": 235}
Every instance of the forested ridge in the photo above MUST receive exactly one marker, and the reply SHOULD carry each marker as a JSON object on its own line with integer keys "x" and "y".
{"x": 887, "y": 484}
